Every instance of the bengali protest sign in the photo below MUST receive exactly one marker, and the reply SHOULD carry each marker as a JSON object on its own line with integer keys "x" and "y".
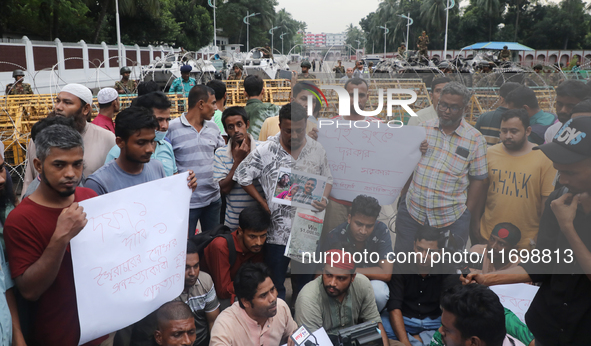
{"x": 516, "y": 297}
{"x": 130, "y": 257}
{"x": 376, "y": 160}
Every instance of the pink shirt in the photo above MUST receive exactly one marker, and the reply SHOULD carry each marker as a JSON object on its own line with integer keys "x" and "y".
{"x": 234, "y": 327}
{"x": 104, "y": 122}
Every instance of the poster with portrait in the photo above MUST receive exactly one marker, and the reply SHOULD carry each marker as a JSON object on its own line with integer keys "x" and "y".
{"x": 298, "y": 189}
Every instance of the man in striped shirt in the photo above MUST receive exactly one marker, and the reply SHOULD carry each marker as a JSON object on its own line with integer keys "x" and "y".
{"x": 447, "y": 185}
{"x": 227, "y": 159}
{"x": 194, "y": 138}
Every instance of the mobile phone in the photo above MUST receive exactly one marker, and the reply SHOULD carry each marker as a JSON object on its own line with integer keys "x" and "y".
{"x": 283, "y": 74}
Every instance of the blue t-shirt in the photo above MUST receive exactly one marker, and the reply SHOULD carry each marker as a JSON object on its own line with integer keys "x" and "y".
{"x": 111, "y": 177}
{"x": 163, "y": 153}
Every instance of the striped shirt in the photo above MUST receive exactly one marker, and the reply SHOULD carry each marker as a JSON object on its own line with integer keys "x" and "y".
{"x": 438, "y": 191}
{"x": 237, "y": 199}
{"x": 194, "y": 150}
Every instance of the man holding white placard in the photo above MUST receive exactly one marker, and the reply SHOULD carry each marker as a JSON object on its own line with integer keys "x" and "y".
{"x": 290, "y": 148}
{"x": 38, "y": 232}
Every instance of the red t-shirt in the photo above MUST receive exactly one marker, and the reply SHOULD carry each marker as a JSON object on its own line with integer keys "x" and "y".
{"x": 217, "y": 264}
{"x": 104, "y": 122}
{"x": 27, "y": 232}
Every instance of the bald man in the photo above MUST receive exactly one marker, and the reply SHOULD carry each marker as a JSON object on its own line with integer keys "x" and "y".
{"x": 176, "y": 325}
{"x": 75, "y": 101}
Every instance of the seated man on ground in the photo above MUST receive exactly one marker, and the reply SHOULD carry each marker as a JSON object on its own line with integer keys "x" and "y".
{"x": 258, "y": 317}
{"x": 473, "y": 315}
{"x": 503, "y": 239}
{"x": 413, "y": 308}
{"x": 198, "y": 294}
{"x": 363, "y": 232}
{"x": 247, "y": 242}
{"x": 339, "y": 298}
{"x": 176, "y": 325}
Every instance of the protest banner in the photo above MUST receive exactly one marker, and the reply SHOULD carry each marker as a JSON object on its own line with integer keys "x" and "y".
{"x": 516, "y": 297}
{"x": 376, "y": 160}
{"x": 298, "y": 188}
{"x": 306, "y": 229}
{"x": 130, "y": 257}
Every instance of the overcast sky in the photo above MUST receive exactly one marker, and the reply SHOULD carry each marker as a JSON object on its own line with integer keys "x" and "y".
{"x": 333, "y": 16}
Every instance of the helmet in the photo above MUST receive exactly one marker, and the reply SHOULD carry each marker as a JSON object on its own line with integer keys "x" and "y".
{"x": 538, "y": 67}
{"x": 125, "y": 69}
{"x": 239, "y": 65}
{"x": 306, "y": 63}
{"x": 186, "y": 68}
{"x": 17, "y": 73}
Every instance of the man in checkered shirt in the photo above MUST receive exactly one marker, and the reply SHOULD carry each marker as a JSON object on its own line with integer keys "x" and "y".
{"x": 447, "y": 185}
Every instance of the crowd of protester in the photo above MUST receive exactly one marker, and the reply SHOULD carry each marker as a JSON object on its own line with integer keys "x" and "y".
{"x": 495, "y": 185}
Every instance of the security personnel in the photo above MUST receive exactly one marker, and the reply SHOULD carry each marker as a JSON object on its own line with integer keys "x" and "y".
{"x": 339, "y": 70}
{"x": 19, "y": 87}
{"x": 237, "y": 73}
{"x": 402, "y": 51}
{"x": 505, "y": 54}
{"x": 422, "y": 45}
{"x": 183, "y": 84}
{"x": 125, "y": 85}
{"x": 305, "y": 65}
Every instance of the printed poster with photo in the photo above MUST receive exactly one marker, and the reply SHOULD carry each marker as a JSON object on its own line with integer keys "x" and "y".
{"x": 306, "y": 229}
{"x": 298, "y": 189}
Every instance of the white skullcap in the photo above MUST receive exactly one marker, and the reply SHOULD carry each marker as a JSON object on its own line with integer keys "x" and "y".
{"x": 107, "y": 95}
{"x": 80, "y": 91}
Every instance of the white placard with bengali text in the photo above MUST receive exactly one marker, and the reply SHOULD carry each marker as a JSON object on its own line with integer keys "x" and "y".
{"x": 130, "y": 257}
{"x": 516, "y": 297}
{"x": 375, "y": 161}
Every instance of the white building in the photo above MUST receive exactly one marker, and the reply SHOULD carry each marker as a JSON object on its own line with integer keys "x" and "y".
{"x": 336, "y": 39}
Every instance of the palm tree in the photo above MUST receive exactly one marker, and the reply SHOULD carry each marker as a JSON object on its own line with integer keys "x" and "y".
{"x": 125, "y": 7}
{"x": 492, "y": 10}
{"x": 433, "y": 14}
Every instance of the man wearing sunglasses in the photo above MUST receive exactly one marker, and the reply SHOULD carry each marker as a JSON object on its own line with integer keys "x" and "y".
{"x": 446, "y": 187}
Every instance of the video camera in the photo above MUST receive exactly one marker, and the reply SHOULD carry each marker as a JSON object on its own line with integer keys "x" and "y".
{"x": 366, "y": 333}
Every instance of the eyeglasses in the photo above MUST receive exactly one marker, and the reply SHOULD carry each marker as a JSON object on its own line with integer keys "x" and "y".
{"x": 442, "y": 106}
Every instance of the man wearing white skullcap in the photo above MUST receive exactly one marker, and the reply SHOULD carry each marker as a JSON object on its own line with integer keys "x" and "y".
{"x": 75, "y": 101}
{"x": 108, "y": 100}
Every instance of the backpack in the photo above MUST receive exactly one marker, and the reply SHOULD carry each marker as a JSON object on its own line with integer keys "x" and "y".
{"x": 203, "y": 239}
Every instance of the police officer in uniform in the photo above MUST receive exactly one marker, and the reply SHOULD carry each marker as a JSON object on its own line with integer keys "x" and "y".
{"x": 125, "y": 85}
{"x": 19, "y": 87}
{"x": 402, "y": 51}
{"x": 184, "y": 84}
{"x": 305, "y": 65}
{"x": 505, "y": 54}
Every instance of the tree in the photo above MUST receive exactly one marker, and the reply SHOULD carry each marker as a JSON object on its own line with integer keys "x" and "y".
{"x": 492, "y": 10}
{"x": 354, "y": 34}
{"x": 433, "y": 14}
{"x": 196, "y": 24}
{"x": 126, "y": 7}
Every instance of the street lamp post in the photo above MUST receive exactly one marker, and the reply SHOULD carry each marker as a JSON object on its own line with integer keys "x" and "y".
{"x": 214, "y": 29}
{"x": 271, "y": 32}
{"x": 409, "y": 22}
{"x": 247, "y": 22}
{"x": 118, "y": 33}
{"x": 449, "y": 7}
{"x": 281, "y": 37}
{"x": 386, "y": 31}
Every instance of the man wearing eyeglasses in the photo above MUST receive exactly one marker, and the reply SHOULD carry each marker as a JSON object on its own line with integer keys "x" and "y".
{"x": 446, "y": 187}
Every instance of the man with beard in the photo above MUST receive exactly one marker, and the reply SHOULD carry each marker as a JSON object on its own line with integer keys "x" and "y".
{"x": 338, "y": 298}
{"x": 135, "y": 129}
{"x": 489, "y": 123}
{"x": 502, "y": 241}
{"x": 38, "y": 233}
{"x": 560, "y": 313}
{"x": 539, "y": 120}
{"x": 290, "y": 148}
{"x": 160, "y": 105}
{"x": 447, "y": 185}
{"x": 258, "y": 317}
{"x": 228, "y": 158}
{"x": 75, "y": 101}
{"x": 568, "y": 94}
{"x": 521, "y": 204}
